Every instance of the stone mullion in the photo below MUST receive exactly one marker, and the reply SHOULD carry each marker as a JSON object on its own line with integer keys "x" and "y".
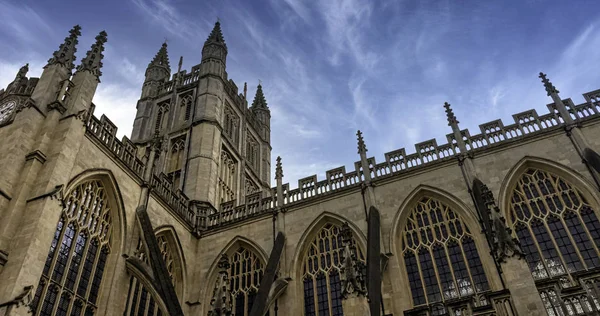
{"x": 558, "y": 251}
{"x": 451, "y": 270}
{"x": 562, "y": 220}
{"x": 93, "y": 274}
{"x": 462, "y": 251}
{"x": 537, "y": 246}
{"x": 57, "y": 249}
{"x": 437, "y": 274}
{"x": 418, "y": 257}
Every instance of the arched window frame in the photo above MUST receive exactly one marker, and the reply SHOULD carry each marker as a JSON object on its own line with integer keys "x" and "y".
{"x": 311, "y": 232}
{"x": 230, "y": 250}
{"x": 469, "y": 220}
{"x": 114, "y": 244}
{"x": 176, "y": 160}
{"x": 550, "y": 293}
{"x": 161, "y": 116}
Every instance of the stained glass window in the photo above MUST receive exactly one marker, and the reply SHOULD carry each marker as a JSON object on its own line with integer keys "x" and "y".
{"x": 440, "y": 256}
{"x": 72, "y": 275}
{"x": 321, "y": 273}
{"x": 557, "y": 227}
{"x": 559, "y": 233}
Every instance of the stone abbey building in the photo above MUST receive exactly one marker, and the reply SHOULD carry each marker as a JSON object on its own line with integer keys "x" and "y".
{"x": 181, "y": 219}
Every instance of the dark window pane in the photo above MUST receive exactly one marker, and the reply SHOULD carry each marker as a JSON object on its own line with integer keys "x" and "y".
{"x": 582, "y": 241}
{"x": 59, "y": 229}
{"x": 63, "y": 254}
{"x": 309, "y": 295}
{"x": 428, "y": 272}
{"x": 551, "y": 258}
{"x": 475, "y": 265}
{"x": 98, "y": 276}
{"x": 336, "y": 293}
{"x": 564, "y": 244}
{"x": 460, "y": 270}
{"x": 414, "y": 279}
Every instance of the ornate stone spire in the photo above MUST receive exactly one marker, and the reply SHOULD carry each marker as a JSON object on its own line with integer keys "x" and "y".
{"x": 551, "y": 89}
{"x": 221, "y": 301}
{"x": 353, "y": 281}
{"x": 362, "y": 148}
{"x": 215, "y": 47}
{"x": 216, "y": 36}
{"x": 161, "y": 59}
{"x": 93, "y": 58}
{"x": 65, "y": 55}
{"x": 278, "y": 169}
{"x": 259, "y": 99}
{"x": 450, "y": 114}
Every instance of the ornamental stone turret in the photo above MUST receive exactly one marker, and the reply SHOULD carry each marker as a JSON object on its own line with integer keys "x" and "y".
{"x": 158, "y": 71}
{"x": 86, "y": 78}
{"x": 214, "y": 53}
{"x": 262, "y": 113}
{"x": 57, "y": 71}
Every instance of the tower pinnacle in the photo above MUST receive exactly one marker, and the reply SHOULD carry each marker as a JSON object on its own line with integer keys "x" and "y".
{"x": 93, "y": 59}
{"x": 22, "y": 72}
{"x": 362, "y": 148}
{"x": 216, "y": 36}
{"x": 259, "y": 99}
{"x": 215, "y": 47}
{"x": 65, "y": 55}
{"x": 278, "y": 169}
{"x": 161, "y": 59}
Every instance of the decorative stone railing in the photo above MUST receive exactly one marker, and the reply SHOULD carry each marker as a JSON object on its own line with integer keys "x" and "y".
{"x": 202, "y": 216}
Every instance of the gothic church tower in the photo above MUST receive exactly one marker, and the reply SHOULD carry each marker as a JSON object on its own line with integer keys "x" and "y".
{"x": 215, "y": 148}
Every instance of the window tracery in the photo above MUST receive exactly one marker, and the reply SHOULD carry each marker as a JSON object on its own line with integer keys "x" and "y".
{"x": 560, "y": 235}
{"x": 232, "y": 123}
{"x": 185, "y": 107}
{"x": 140, "y": 301}
{"x": 440, "y": 256}
{"x": 245, "y": 273}
{"x": 161, "y": 116}
{"x": 321, "y": 272}
{"x": 72, "y": 275}
{"x": 252, "y": 151}
{"x": 176, "y": 156}
{"x": 227, "y": 177}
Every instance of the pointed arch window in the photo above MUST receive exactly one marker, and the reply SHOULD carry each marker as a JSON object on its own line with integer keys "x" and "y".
{"x": 140, "y": 302}
{"x": 227, "y": 177}
{"x": 245, "y": 273}
{"x": 232, "y": 123}
{"x": 161, "y": 116}
{"x": 321, "y": 273}
{"x": 440, "y": 256}
{"x": 72, "y": 275}
{"x": 185, "y": 108}
{"x": 559, "y": 232}
{"x": 175, "y": 163}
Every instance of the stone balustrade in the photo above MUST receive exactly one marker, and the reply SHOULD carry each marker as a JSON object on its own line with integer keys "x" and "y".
{"x": 202, "y": 217}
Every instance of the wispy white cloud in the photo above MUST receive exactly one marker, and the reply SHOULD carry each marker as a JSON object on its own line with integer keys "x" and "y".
{"x": 167, "y": 15}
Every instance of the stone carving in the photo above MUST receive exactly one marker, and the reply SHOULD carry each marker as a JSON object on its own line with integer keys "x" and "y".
{"x": 92, "y": 62}
{"x": 221, "y": 301}
{"x": 250, "y": 187}
{"x": 353, "y": 281}
{"x": 504, "y": 245}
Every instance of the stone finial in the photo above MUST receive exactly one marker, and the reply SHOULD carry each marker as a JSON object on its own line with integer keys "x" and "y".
{"x": 216, "y": 36}
{"x": 65, "y": 55}
{"x": 362, "y": 148}
{"x": 450, "y": 114}
{"x": 245, "y": 90}
{"x": 278, "y": 169}
{"x": 260, "y": 102}
{"x": 353, "y": 281}
{"x": 22, "y": 72}
{"x": 221, "y": 300}
{"x": 551, "y": 89}
{"x": 93, "y": 59}
{"x": 161, "y": 59}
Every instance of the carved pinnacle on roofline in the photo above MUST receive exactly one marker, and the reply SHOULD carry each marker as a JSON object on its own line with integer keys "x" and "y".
{"x": 450, "y": 114}
{"x": 65, "y": 55}
{"x": 362, "y": 148}
{"x": 278, "y": 169}
{"x": 548, "y": 85}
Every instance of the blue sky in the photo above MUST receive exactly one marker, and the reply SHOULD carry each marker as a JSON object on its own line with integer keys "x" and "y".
{"x": 331, "y": 67}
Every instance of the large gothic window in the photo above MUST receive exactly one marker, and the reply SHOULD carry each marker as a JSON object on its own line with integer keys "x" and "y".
{"x": 72, "y": 276}
{"x": 140, "y": 302}
{"x": 252, "y": 151}
{"x": 185, "y": 108}
{"x": 321, "y": 273}
{"x": 227, "y": 177}
{"x": 245, "y": 273}
{"x": 559, "y": 232}
{"x": 440, "y": 256}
